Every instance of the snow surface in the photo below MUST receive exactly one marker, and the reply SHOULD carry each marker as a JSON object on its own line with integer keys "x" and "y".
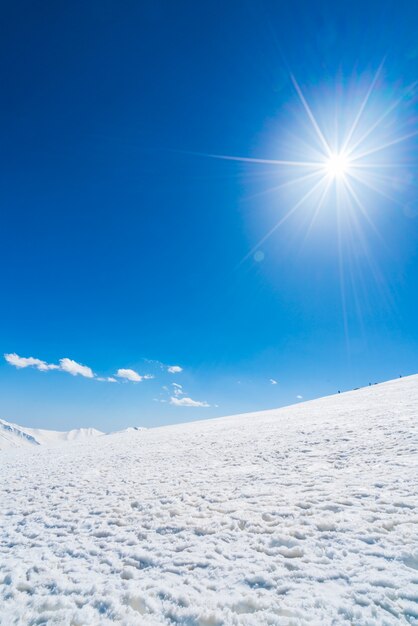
{"x": 303, "y": 515}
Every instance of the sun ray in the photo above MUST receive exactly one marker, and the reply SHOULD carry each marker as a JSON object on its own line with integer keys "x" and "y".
{"x": 379, "y": 120}
{"x": 379, "y": 281}
{"x": 318, "y": 208}
{"x": 342, "y": 275}
{"x": 305, "y": 164}
{"x": 373, "y": 166}
{"x": 365, "y": 213}
{"x": 367, "y": 183}
{"x": 311, "y": 116}
{"x": 362, "y": 107}
{"x": 284, "y": 218}
{"x": 287, "y": 184}
{"x": 389, "y": 144}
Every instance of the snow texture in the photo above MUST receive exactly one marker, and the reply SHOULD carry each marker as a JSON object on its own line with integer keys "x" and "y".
{"x": 303, "y": 515}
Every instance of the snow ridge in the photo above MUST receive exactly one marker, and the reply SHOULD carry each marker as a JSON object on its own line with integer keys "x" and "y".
{"x": 12, "y": 435}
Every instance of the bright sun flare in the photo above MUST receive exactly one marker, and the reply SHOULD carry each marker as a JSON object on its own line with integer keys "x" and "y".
{"x": 337, "y": 165}
{"x": 352, "y": 161}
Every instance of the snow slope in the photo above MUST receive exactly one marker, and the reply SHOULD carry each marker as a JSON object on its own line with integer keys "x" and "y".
{"x": 303, "y": 515}
{"x": 15, "y": 436}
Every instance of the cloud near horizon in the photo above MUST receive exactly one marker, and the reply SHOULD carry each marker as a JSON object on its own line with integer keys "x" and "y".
{"x": 185, "y": 401}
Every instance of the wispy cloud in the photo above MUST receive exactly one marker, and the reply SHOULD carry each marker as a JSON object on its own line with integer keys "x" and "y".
{"x": 299, "y": 397}
{"x": 76, "y": 369}
{"x": 185, "y": 401}
{"x": 21, "y": 362}
{"x": 177, "y": 396}
{"x": 171, "y": 369}
{"x": 272, "y": 381}
{"x": 107, "y": 379}
{"x": 177, "y": 389}
{"x": 131, "y": 375}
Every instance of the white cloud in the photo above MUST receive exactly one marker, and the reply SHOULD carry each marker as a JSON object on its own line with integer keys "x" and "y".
{"x": 177, "y": 390}
{"x": 66, "y": 365}
{"x": 132, "y": 375}
{"x": 174, "y": 369}
{"x": 75, "y": 369}
{"x": 273, "y": 382}
{"x": 21, "y": 361}
{"x": 299, "y": 397}
{"x": 129, "y": 375}
{"x": 187, "y": 402}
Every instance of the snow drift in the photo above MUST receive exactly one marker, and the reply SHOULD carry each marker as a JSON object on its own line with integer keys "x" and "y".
{"x": 303, "y": 515}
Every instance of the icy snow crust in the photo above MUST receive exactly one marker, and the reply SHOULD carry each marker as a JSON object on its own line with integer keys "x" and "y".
{"x": 304, "y": 515}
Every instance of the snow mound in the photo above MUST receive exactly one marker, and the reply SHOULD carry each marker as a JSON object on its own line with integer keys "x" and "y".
{"x": 303, "y": 515}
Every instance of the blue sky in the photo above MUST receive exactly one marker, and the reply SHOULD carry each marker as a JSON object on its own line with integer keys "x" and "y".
{"x": 125, "y": 246}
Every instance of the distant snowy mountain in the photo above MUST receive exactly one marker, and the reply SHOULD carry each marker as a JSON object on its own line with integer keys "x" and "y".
{"x": 300, "y": 516}
{"x": 15, "y": 436}
{"x": 130, "y": 429}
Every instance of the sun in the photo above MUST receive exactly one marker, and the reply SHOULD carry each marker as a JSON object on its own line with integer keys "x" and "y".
{"x": 345, "y": 160}
{"x": 337, "y": 165}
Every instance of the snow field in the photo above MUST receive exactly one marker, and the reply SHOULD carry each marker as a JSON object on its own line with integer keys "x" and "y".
{"x": 302, "y": 515}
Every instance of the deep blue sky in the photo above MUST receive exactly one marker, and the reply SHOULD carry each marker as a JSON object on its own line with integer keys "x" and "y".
{"x": 120, "y": 243}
